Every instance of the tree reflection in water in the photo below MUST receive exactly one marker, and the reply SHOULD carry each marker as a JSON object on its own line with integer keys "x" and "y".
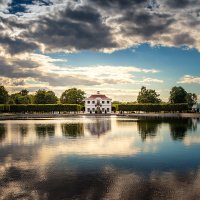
{"x": 179, "y": 127}
{"x": 148, "y": 128}
{"x": 43, "y": 130}
{"x": 23, "y": 129}
{"x": 2, "y": 132}
{"x": 73, "y": 130}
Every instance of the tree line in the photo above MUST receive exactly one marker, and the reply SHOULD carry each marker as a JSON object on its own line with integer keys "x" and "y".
{"x": 178, "y": 95}
{"x": 70, "y": 96}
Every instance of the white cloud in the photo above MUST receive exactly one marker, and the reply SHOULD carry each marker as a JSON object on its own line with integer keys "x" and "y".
{"x": 188, "y": 79}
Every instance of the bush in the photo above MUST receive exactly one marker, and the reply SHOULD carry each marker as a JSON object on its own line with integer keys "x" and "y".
{"x": 153, "y": 107}
{"x": 40, "y": 108}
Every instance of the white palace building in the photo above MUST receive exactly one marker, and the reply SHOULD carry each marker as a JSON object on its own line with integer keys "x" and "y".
{"x": 98, "y": 103}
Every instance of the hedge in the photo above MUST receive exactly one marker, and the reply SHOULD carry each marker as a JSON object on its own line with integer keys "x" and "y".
{"x": 153, "y": 107}
{"x": 40, "y": 108}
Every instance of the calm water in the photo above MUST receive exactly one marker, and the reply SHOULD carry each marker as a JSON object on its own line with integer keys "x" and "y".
{"x": 100, "y": 158}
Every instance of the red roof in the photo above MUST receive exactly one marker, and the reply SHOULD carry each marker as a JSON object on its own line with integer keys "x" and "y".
{"x": 94, "y": 96}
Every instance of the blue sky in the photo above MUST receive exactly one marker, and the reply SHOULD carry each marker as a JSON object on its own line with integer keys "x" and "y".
{"x": 56, "y": 45}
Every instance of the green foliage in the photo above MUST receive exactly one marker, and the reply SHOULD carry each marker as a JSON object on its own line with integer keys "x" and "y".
{"x": 45, "y": 108}
{"x": 72, "y": 96}
{"x": 3, "y": 95}
{"x": 177, "y": 95}
{"x": 20, "y": 98}
{"x": 24, "y": 92}
{"x": 114, "y": 107}
{"x": 148, "y": 96}
{"x": 153, "y": 107}
{"x": 4, "y": 108}
{"x": 45, "y": 97}
{"x": 191, "y": 99}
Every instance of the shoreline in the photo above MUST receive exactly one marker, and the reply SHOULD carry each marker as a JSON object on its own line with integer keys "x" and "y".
{"x": 136, "y": 115}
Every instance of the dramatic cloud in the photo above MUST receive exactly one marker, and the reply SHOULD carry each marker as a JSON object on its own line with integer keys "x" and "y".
{"x": 29, "y": 27}
{"x": 36, "y": 69}
{"x": 69, "y": 25}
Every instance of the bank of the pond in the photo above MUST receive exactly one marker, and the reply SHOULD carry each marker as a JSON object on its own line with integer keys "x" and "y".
{"x": 163, "y": 115}
{"x": 136, "y": 115}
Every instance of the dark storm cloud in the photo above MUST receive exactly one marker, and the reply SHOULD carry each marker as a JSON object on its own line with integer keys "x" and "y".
{"x": 183, "y": 38}
{"x": 145, "y": 24}
{"x": 78, "y": 28}
{"x": 98, "y": 24}
{"x": 14, "y": 69}
{"x": 17, "y": 45}
{"x": 177, "y": 4}
{"x": 122, "y": 4}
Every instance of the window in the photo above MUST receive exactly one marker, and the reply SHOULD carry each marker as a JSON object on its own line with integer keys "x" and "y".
{"x": 93, "y": 110}
{"x": 108, "y": 102}
{"x": 102, "y": 109}
{"x": 93, "y": 102}
{"x": 88, "y": 102}
{"x": 88, "y": 109}
{"x": 108, "y": 110}
{"x": 102, "y": 102}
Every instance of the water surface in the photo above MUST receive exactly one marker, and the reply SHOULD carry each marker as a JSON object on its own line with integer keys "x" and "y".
{"x": 100, "y": 158}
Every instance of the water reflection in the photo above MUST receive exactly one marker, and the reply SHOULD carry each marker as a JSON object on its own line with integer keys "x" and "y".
{"x": 120, "y": 164}
{"x": 99, "y": 126}
{"x": 43, "y": 130}
{"x": 2, "y": 132}
{"x": 180, "y": 127}
{"x": 23, "y": 128}
{"x": 148, "y": 128}
{"x": 73, "y": 129}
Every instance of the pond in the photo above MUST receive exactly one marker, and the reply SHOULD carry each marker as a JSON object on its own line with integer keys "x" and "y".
{"x": 100, "y": 158}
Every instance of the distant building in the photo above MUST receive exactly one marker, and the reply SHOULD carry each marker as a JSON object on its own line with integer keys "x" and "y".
{"x": 98, "y": 103}
{"x": 196, "y": 107}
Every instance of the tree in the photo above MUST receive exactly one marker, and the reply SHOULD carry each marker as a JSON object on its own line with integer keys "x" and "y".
{"x": 3, "y": 95}
{"x": 72, "y": 96}
{"x": 148, "y": 96}
{"x": 177, "y": 95}
{"x": 18, "y": 98}
{"x": 50, "y": 97}
{"x": 45, "y": 97}
{"x": 191, "y": 99}
{"x": 24, "y": 92}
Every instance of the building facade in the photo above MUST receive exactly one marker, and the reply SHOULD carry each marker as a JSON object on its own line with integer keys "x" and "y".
{"x": 98, "y": 104}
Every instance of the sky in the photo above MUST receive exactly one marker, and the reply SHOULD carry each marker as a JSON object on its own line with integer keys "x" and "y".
{"x": 111, "y": 46}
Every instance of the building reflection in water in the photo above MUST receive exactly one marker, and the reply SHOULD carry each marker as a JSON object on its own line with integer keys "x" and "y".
{"x": 72, "y": 129}
{"x": 99, "y": 127}
{"x": 43, "y": 130}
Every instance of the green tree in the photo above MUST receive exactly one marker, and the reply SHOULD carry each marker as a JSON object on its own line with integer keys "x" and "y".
{"x": 24, "y": 92}
{"x": 18, "y": 98}
{"x": 3, "y": 95}
{"x": 148, "y": 96}
{"x": 177, "y": 95}
{"x": 72, "y": 96}
{"x": 45, "y": 97}
{"x": 191, "y": 99}
{"x": 50, "y": 97}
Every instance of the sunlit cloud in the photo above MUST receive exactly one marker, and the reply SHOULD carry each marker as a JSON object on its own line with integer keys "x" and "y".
{"x": 188, "y": 79}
